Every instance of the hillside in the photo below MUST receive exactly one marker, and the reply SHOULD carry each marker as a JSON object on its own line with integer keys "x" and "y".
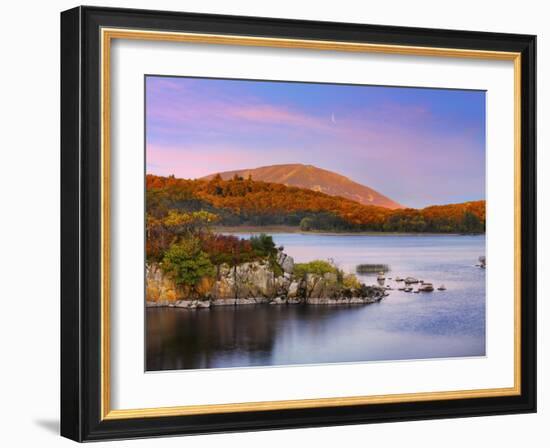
{"x": 241, "y": 201}
{"x": 316, "y": 179}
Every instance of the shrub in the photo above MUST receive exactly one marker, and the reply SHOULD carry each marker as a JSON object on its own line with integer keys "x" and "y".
{"x": 227, "y": 249}
{"x": 187, "y": 264}
{"x": 350, "y": 281}
{"x": 163, "y": 231}
{"x": 316, "y": 267}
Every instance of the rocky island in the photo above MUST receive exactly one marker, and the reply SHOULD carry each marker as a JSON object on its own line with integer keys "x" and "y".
{"x": 278, "y": 281}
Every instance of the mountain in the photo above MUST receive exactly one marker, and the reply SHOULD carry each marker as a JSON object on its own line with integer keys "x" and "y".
{"x": 316, "y": 179}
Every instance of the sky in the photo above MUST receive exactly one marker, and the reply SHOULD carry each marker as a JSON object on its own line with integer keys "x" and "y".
{"x": 417, "y": 146}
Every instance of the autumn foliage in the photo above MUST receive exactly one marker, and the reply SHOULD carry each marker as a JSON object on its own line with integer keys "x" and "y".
{"x": 245, "y": 201}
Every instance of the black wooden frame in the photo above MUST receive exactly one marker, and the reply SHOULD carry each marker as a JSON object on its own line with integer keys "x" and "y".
{"x": 80, "y": 223}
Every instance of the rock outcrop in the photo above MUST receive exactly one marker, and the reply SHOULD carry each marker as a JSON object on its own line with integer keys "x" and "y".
{"x": 259, "y": 283}
{"x": 286, "y": 262}
{"x": 160, "y": 290}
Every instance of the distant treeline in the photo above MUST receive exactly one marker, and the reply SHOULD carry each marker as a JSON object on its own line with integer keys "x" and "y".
{"x": 241, "y": 201}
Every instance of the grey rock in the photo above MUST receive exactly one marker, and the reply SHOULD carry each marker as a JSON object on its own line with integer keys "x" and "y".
{"x": 254, "y": 280}
{"x": 251, "y": 301}
{"x": 292, "y": 289}
{"x": 288, "y": 265}
{"x": 191, "y": 304}
{"x": 222, "y": 302}
{"x": 411, "y": 280}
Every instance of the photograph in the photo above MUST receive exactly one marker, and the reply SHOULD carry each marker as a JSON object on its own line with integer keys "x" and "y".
{"x": 299, "y": 223}
{"x": 274, "y": 222}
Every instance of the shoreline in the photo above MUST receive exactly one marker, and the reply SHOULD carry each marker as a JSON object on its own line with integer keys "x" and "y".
{"x": 297, "y": 230}
{"x": 208, "y": 303}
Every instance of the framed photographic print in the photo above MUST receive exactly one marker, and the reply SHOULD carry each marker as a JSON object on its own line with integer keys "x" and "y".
{"x": 273, "y": 223}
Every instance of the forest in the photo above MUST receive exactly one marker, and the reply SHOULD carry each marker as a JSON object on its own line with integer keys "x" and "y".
{"x": 240, "y": 201}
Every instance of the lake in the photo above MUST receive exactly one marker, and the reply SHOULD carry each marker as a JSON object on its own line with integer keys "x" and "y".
{"x": 402, "y": 326}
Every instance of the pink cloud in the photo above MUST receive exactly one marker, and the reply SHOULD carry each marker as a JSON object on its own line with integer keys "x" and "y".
{"x": 217, "y": 112}
{"x": 268, "y": 114}
{"x": 194, "y": 161}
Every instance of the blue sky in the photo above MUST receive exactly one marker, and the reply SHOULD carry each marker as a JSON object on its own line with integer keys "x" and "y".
{"x": 417, "y": 146}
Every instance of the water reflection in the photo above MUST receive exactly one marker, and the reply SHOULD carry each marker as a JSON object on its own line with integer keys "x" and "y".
{"x": 182, "y": 339}
{"x": 228, "y": 336}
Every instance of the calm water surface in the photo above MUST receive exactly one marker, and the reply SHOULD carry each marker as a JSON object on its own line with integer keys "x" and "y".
{"x": 402, "y": 326}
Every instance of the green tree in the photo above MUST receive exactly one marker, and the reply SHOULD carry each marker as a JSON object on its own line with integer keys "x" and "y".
{"x": 417, "y": 224}
{"x": 306, "y": 224}
{"x": 471, "y": 223}
{"x": 187, "y": 264}
{"x": 191, "y": 222}
{"x": 263, "y": 245}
